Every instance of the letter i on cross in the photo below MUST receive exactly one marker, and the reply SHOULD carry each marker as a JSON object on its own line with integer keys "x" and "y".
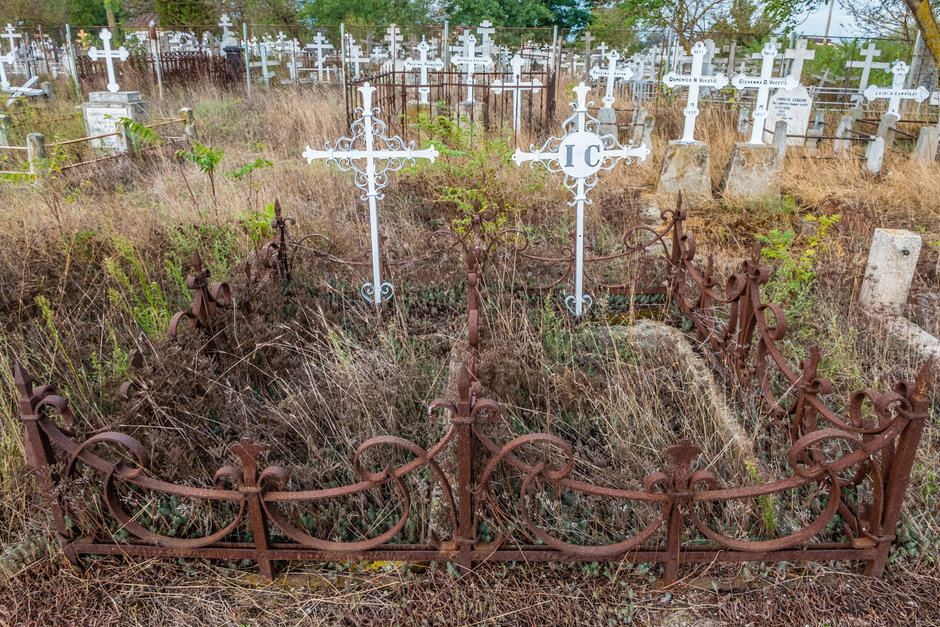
{"x": 580, "y": 155}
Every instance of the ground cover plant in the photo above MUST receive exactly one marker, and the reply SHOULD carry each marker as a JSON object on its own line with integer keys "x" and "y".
{"x": 100, "y": 267}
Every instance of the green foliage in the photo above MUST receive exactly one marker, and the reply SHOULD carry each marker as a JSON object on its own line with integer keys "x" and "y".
{"x": 136, "y": 293}
{"x": 379, "y": 12}
{"x": 206, "y": 157}
{"x": 175, "y": 13}
{"x": 521, "y": 13}
{"x": 138, "y": 134}
{"x": 258, "y": 223}
{"x": 250, "y": 168}
{"x": 796, "y": 271}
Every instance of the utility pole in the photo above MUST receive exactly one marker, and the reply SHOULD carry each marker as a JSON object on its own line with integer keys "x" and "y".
{"x": 832, "y": 5}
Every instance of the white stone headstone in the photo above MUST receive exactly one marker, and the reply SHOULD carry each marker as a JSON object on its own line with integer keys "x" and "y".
{"x": 794, "y": 106}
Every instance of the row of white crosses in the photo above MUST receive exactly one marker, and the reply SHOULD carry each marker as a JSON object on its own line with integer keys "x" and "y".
{"x": 372, "y": 156}
{"x": 580, "y": 155}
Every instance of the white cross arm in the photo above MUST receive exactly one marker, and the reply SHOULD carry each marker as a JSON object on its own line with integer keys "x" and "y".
{"x": 121, "y": 54}
{"x": 461, "y": 60}
{"x": 519, "y": 157}
{"x": 642, "y": 152}
{"x": 743, "y": 81}
{"x": 498, "y": 86}
{"x": 873, "y": 92}
{"x": 335, "y": 155}
{"x": 716, "y": 80}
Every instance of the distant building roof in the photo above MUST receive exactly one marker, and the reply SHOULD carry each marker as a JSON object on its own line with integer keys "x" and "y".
{"x": 143, "y": 20}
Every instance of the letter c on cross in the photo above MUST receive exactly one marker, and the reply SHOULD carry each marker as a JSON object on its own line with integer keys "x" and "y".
{"x": 587, "y": 156}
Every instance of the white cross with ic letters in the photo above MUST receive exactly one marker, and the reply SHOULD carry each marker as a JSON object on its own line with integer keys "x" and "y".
{"x": 108, "y": 55}
{"x": 695, "y": 81}
{"x": 763, "y": 83}
{"x": 580, "y": 155}
{"x": 391, "y": 155}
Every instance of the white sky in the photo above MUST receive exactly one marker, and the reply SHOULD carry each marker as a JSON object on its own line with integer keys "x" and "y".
{"x": 842, "y": 23}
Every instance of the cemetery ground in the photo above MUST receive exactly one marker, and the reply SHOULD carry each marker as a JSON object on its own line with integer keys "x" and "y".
{"x": 94, "y": 266}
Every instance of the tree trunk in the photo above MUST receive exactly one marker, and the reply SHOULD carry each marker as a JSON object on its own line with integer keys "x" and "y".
{"x": 927, "y": 23}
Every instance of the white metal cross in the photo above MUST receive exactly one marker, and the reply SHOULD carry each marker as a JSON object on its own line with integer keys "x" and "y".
{"x": 225, "y": 22}
{"x": 868, "y": 65}
{"x": 266, "y": 76}
{"x": 424, "y": 64}
{"x": 800, "y": 54}
{"x": 4, "y": 59}
{"x": 12, "y": 36}
{"x": 611, "y": 74}
{"x": 471, "y": 61}
{"x": 486, "y": 31}
{"x": 26, "y": 89}
{"x": 354, "y": 54}
{"x": 516, "y": 86}
{"x": 382, "y": 155}
{"x": 695, "y": 81}
{"x": 394, "y": 38}
{"x": 108, "y": 55}
{"x": 763, "y": 83}
{"x": 319, "y": 45}
{"x": 896, "y": 93}
{"x": 580, "y": 155}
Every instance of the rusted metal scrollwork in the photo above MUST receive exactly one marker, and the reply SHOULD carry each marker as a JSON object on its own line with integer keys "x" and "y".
{"x": 207, "y": 300}
{"x": 878, "y": 437}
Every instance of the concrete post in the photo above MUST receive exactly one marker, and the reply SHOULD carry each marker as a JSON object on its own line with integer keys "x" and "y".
{"x": 842, "y": 146}
{"x": 875, "y": 155}
{"x": 892, "y": 261}
{"x": 648, "y": 125}
{"x": 780, "y": 138}
{"x": 886, "y": 129}
{"x": 744, "y": 117}
{"x": 35, "y": 149}
{"x": 189, "y": 122}
{"x": 4, "y": 130}
{"x": 926, "y": 149}
{"x": 46, "y": 87}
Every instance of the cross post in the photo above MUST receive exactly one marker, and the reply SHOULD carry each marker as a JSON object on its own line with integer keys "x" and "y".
{"x": 319, "y": 45}
{"x": 867, "y": 65}
{"x": 588, "y": 49}
{"x": 800, "y": 54}
{"x": 694, "y": 81}
{"x": 516, "y": 86}
{"x": 763, "y": 83}
{"x": 423, "y": 64}
{"x": 11, "y": 35}
{"x": 611, "y": 74}
{"x": 390, "y": 156}
{"x": 896, "y": 93}
{"x": 394, "y": 38}
{"x": 225, "y": 22}
{"x": 580, "y": 155}
{"x": 108, "y": 55}
{"x": 486, "y": 31}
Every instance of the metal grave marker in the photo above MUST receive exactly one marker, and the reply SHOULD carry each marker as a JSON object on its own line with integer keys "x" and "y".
{"x": 380, "y": 156}
{"x": 763, "y": 83}
{"x": 319, "y": 45}
{"x": 896, "y": 93}
{"x": 486, "y": 31}
{"x": 225, "y": 23}
{"x": 423, "y": 64}
{"x": 394, "y": 38}
{"x": 611, "y": 74}
{"x": 516, "y": 86}
{"x": 108, "y": 55}
{"x": 580, "y": 155}
{"x": 695, "y": 81}
{"x": 471, "y": 61}
{"x": 867, "y": 65}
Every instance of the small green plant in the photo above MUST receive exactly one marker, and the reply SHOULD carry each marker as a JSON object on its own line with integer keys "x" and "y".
{"x": 137, "y": 294}
{"x": 139, "y": 135}
{"x": 208, "y": 159}
{"x": 245, "y": 173}
{"x": 796, "y": 271}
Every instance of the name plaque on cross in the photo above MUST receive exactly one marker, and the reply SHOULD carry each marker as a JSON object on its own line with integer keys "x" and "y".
{"x": 611, "y": 73}
{"x": 580, "y": 155}
{"x": 695, "y": 81}
{"x": 372, "y": 156}
{"x": 896, "y": 93}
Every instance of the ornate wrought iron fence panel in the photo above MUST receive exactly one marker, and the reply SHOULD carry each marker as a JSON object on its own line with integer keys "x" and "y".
{"x": 879, "y": 432}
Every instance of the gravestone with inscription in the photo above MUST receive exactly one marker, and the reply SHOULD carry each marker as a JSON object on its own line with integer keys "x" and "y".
{"x": 793, "y": 106}
{"x": 104, "y": 109}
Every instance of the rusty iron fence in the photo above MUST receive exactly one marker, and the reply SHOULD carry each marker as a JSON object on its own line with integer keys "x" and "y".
{"x": 139, "y": 72}
{"x": 862, "y": 478}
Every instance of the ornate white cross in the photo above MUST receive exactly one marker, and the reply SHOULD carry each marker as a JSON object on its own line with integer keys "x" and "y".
{"x": 580, "y": 155}
{"x": 612, "y": 73}
{"x": 763, "y": 83}
{"x": 225, "y": 22}
{"x": 516, "y": 86}
{"x": 896, "y": 93}
{"x": 868, "y": 65}
{"x": 319, "y": 45}
{"x": 800, "y": 54}
{"x": 424, "y": 64}
{"x": 108, "y": 55}
{"x": 471, "y": 61}
{"x": 394, "y": 38}
{"x": 381, "y": 155}
{"x": 695, "y": 81}
{"x": 12, "y": 36}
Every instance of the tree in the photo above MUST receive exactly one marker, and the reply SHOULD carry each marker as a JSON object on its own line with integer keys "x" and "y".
{"x": 185, "y": 12}
{"x": 379, "y": 12}
{"x": 927, "y": 23}
{"x": 512, "y": 13}
{"x": 883, "y": 18}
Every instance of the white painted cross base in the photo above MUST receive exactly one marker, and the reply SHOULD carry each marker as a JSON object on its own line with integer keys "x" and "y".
{"x": 103, "y": 112}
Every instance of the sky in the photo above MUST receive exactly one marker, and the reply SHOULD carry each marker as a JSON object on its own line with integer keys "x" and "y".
{"x": 842, "y": 23}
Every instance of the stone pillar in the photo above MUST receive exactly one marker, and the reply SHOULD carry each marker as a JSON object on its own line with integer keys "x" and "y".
{"x": 753, "y": 171}
{"x": 636, "y": 128}
{"x": 744, "y": 120}
{"x": 4, "y": 129}
{"x": 813, "y": 134}
{"x": 46, "y": 87}
{"x": 780, "y": 138}
{"x": 102, "y": 115}
{"x": 608, "y": 122}
{"x": 843, "y": 146}
{"x": 926, "y": 149}
{"x": 35, "y": 149}
{"x": 648, "y": 127}
{"x": 686, "y": 168}
{"x": 189, "y": 122}
{"x": 875, "y": 156}
{"x": 886, "y": 129}
{"x": 236, "y": 63}
{"x": 892, "y": 261}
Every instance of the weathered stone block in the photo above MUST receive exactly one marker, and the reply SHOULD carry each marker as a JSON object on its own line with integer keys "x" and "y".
{"x": 892, "y": 261}
{"x": 875, "y": 155}
{"x": 926, "y": 149}
{"x": 686, "y": 168}
{"x": 102, "y": 114}
{"x": 608, "y": 122}
{"x": 753, "y": 172}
